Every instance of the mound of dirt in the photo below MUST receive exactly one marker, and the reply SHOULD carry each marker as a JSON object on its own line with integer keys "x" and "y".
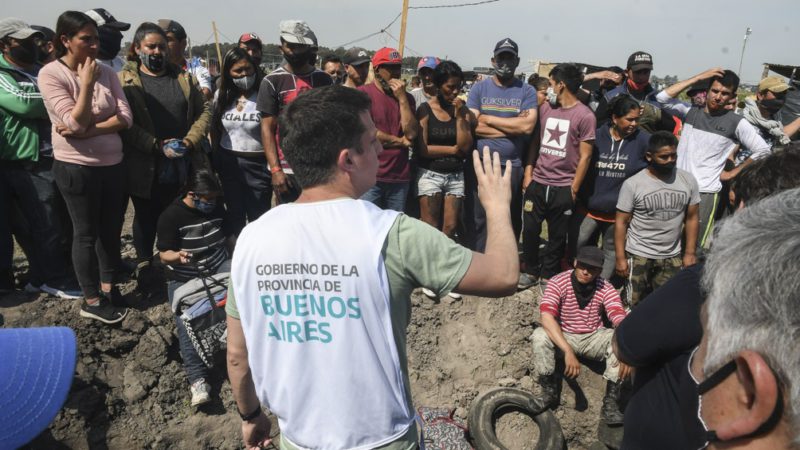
{"x": 130, "y": 390}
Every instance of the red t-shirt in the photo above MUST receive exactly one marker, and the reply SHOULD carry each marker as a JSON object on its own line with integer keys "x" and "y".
{"x": 385, "y": 112}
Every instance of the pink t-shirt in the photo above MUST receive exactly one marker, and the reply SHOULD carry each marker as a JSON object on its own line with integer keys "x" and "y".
{"x": 562, "y": 131}
{"x": 60, "y": 88}
{"x": 385, "y": 111}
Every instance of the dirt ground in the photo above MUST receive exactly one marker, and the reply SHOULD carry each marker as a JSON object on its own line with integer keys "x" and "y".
{"x": 130, "y": 391}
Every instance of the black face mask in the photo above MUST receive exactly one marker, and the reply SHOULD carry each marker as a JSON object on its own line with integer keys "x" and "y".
{"x": 110, "y": 41}
{"x": 25, "y": 53}
{"x": 583, "y": 292}
{"x": 772, "y": 105}
{"x": 297, "y": 61}
{"x": 663, "y": 169}
{"x": 154, "y": 62}
{"x": 690, "y": 393}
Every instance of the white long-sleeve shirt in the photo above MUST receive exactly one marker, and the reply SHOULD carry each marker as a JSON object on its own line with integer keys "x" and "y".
{"x": 707, "y": 140}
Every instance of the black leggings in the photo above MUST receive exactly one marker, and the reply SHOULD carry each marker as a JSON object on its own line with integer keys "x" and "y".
{"x": 145, "y": 219}
{"x": 95, "y": 198}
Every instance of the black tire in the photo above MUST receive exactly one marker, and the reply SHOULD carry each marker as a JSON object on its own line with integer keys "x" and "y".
{"x": 487, "y": 408}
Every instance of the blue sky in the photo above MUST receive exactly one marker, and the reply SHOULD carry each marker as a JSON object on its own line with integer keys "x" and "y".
{"x": 685, "y": 37}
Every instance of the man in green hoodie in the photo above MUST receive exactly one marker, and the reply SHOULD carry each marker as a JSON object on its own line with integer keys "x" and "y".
{"x": 26, "y": 156}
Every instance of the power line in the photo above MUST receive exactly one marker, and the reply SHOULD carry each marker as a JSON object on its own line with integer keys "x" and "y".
{"x": 383, "y": 30}
{"x": 459, "y": 5}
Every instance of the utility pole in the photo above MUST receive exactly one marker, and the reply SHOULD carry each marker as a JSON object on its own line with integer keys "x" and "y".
{"x": 216, "y": 41}
{"x": 403, "y": 28}
{"x": 747, "y": 33}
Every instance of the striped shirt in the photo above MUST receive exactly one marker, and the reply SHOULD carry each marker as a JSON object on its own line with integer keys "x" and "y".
{"x": 559, "y": 301}
{"x": 183, "y": 228}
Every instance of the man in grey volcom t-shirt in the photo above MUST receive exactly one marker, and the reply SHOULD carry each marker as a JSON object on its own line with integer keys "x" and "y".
{"x": 652, "y": 208}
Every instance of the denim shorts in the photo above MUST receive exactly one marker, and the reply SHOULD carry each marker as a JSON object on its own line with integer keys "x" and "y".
{"x": 430, "y": 182}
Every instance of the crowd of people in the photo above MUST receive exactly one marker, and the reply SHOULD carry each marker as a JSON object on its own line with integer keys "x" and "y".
{"x": 299, "y": 176}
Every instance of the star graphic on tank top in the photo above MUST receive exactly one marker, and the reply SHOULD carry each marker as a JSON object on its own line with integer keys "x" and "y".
{"x": 555, "y": 134}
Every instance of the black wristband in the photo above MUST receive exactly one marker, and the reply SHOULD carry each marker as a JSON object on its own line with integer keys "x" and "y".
{"x": 248, "y": 417}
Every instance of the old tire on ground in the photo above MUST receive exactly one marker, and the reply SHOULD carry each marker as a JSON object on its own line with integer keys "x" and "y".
{"x": 487, "y": 408}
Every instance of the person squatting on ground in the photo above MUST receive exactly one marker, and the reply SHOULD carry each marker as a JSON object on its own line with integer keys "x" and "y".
{"x": 709, "y": 136}
{"x": 554, "y": 172}
{"x": 170, "y": 119}
{"x": 745, "y": 369}
{"x": 618, "y": 153}
{"x": 506, "y": 109}
{"x": 280, "y": 88}
{"x": 194, "y": 240}
{"x": 340, "y": 305}
{"x": 87, "y": 108}
{"x": 392, "y": 110}
{"x": 238, "y": 152}
{"x": 29, "y": 199}
{"x": 571, "y": 313}
{"x": 656, "y": 208}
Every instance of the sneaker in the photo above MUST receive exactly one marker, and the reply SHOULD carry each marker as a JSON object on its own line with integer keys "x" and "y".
{"x": 104, "y": 311}
{"x": 526, "y": 281}
{"x": 66, "y": 290}
{"x": 454, "y": 295}
{"x": 201, "y": 392}
{"x": 429, "y": 293}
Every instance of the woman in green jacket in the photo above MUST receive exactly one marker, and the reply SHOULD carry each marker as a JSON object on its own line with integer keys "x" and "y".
{"x": 170, "y": 121}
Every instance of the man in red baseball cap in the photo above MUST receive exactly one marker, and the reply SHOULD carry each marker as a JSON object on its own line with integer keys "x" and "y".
{"x": 392, "y": 111}
{"x": 252, "y": 44}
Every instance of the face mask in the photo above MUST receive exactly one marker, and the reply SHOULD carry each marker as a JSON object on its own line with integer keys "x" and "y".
{"x": 552, "y": 97}
{"x": 204, "y": 206}
{"x": 772, "y": 105}
{"x": 634, "y": 86}
{"x": 312, "y": 59}
{"x": 110, "y": 41}
{"x": 504, "y": 71}
{"x": 26, "y": 53}
{"x": 691, "y": 392}
{"x": 663, "y": 169}
{"x": 154, "y": 62}
{"x": 245, "y": 83}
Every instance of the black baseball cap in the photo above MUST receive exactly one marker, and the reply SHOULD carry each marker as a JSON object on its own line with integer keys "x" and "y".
{"x": 103, "y": 18}
{"x": 590, "y": 256}
{"x": 640, "y": 60}
{"x": 356, "y": 56}
{"x": 170, "y": 26}
{"x": 506, "y": 45}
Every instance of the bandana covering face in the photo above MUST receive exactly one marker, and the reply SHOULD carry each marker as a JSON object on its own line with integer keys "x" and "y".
{"x": 583, "y": 292}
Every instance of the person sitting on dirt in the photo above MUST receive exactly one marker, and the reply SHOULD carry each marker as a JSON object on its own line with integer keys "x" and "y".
{"x": 571, "y": 315}
{"x": 191, "y": 241}
{"x": 317, "y": 318}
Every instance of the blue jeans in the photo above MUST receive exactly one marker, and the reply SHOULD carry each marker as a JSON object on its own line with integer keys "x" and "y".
{"x": 30, "y": 187}
{"x": 192, "y": 363}
{"x": 388, "y": 195}
{"x": 247, "y": 184}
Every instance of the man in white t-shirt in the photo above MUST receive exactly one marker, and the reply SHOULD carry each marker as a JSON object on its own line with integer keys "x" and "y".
{"x": 331, "y": 295}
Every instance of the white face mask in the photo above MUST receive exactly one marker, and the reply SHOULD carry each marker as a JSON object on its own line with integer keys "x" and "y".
{"x": 245, "y": 83}
{"x": 552, "y": 97}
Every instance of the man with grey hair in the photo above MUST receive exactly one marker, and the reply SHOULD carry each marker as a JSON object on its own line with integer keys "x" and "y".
{"x": 649, "y": 340}
{"x": 747, "y": 366}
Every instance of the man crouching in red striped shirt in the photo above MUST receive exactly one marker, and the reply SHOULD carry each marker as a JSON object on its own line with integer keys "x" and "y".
{"x": 572, "y": 308}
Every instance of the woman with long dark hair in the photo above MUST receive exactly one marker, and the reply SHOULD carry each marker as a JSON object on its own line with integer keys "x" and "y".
{"x": 236, "y": 139}
{"x": 193, "y": 242}
{"x": 88, "y": 108}
{"x": 170, "y": 121}
{"x": 618, "y": 154}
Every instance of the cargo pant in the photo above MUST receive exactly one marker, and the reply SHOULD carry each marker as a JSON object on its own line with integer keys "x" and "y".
{"x": 645, "y": 275}
{"x": 595, "y": 346}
